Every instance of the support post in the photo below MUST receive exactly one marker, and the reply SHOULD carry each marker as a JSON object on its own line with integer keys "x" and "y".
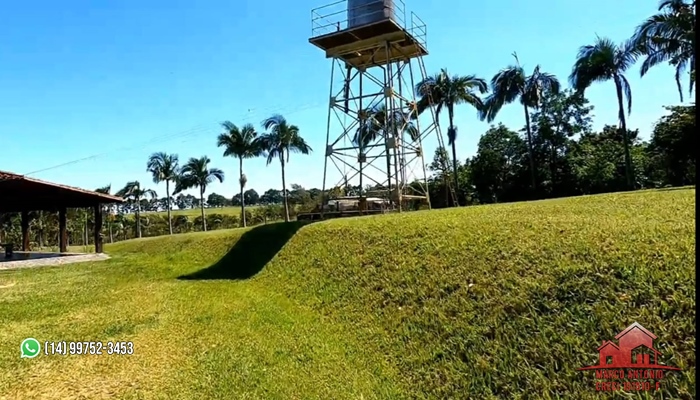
{"x": 62, "y": 231}
{"x": 25, "y": 231}
{"x": 98, "y": 229}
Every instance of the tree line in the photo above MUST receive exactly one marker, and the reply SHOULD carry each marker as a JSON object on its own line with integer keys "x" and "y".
{"x": 555, "y": 154}
{"x": 666, "y": 37}
{"x": 281, "y": 139}
{"x": 573, "y": 160}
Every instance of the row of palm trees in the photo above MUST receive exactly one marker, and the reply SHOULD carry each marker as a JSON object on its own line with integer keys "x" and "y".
{"x": 195, "y": 173}
{"x": 667, "y": 37}
{"x": 279, "y": 140}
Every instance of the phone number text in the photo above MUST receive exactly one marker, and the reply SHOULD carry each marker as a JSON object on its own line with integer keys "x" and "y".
{"x": 66, "y": 348}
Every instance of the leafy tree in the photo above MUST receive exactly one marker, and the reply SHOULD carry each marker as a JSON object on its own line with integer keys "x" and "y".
{"x": 673, "y": 146}
{"x": 164, "y": 168}
{"x": 251, "y": 197}
{"x": 242, "y": 143}
{"x": 604, "y": 61}
{"x": 217, "y": 200}
{"x": 280, "y": 140}
{"x": 442, "y": 166}
{"x": 445, "y": 91}
{"x": 441, "y": 163}
{"x": 110, "y": 215}
{"x": 669, "y": 37}
{"x": 511, "y": 84}
{"x": 185, "y": 201}
{"x": 498, "y": 165}
{"x": 271, "y": 196}
{"x": 134, "y": 193}
{"x": 298, "y": 195}
{"x": 562, "y": 116}
{"x": 598, "y": 161}
{"x": 197, "y": 174}
{"x": 38, "y": 223}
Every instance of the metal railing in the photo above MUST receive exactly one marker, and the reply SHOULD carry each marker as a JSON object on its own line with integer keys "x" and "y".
{"x": 334, "y": 17}
{"x": 419, "y": 30}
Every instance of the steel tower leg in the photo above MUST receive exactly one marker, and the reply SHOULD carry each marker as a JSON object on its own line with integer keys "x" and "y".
{"x": 375, "y": 114}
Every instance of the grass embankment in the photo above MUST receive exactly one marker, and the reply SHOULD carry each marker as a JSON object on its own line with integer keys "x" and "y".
{"x": 501, "y": 301}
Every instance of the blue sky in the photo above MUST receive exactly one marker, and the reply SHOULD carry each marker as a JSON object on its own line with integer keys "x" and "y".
{"x": 122, "y": 79}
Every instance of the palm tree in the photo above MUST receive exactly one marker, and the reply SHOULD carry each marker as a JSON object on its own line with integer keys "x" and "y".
{"x": 445, "y": 91}
{"x": 110, "y": 217}
{"x": 603, "y": 61}
{"x": 196, "y": 173}
{"x": 164, "y": 168}
{"x": 377, "y": 122}
{"x": 39, "y": 221}
{"x": 241, "y": 143}
{"x": 133, "y": 193}
{"x": 669, "y": 36}
{"x": 511, "y": 84}
{"x": 280, "y": 140}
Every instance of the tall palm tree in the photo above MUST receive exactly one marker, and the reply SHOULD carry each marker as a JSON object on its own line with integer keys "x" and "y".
{"x": 241, "y": 143}
{"x": 377, "y": 122}
{"x": 110, "y": 217}
{"x": 280, "y": 140}
{"x": 133, "y": 193}
{"x": 164, "y": 168}
{"x": 197, "y": 174}
{"x": 603, "y": 61}
{"x": 445, "y": 91}
{"x": 511, "y": 84}
{"x": 669, "y": 37}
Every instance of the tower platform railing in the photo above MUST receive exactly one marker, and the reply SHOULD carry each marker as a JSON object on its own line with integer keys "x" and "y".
{"x": 333, "y": 18}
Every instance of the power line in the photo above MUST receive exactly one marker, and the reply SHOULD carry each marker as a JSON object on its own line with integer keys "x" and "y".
{"x": 170, "y": 136}
{"x": 196, "y": 131}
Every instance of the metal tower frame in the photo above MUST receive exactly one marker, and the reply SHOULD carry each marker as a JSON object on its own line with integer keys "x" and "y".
{"x": 374, "y": 137}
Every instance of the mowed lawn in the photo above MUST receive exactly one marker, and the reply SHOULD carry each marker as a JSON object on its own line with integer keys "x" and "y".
{"x": 197, "y": 212}
{"x": 486, "y": 302}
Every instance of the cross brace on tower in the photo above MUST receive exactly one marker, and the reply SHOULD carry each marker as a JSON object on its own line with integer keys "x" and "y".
{"x": 375, "y": 138}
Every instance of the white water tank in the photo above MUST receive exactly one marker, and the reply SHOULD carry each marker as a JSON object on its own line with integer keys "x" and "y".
{"x": 365, "y": 12}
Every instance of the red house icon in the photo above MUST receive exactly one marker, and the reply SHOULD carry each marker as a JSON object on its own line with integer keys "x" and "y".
{"x": 635, "y": 350}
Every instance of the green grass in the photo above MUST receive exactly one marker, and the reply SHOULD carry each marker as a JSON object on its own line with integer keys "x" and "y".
{"x": 196, "y": 212}
{"x": 501, "y": 301}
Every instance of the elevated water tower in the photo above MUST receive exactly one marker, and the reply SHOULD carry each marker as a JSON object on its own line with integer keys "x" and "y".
{"x": 374, "y": 138}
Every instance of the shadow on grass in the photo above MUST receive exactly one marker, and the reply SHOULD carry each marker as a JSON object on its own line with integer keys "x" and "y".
{"x": 251, "y": 253}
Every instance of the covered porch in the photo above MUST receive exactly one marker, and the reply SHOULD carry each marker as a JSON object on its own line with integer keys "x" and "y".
{"x": 22, "y": 194}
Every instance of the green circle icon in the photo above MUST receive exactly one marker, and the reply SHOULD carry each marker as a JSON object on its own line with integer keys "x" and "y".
{"x": 30, "y": 348}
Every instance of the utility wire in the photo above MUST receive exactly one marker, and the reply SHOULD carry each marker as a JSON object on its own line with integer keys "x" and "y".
{"x": 195, "y": 131}
{"x": 92, "y": 157}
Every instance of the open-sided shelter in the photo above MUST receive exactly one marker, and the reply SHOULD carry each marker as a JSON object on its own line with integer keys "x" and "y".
{"x": 20, "y": 193}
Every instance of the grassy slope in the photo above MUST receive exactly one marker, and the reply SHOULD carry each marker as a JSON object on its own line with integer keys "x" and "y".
{"x": 493, "y": 301}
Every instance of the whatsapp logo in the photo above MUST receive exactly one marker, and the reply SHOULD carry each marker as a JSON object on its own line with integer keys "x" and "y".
{"x": 29, "y": 348}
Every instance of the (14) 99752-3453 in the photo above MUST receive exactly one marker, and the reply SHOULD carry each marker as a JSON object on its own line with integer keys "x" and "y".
{"x": 74, "y": 348}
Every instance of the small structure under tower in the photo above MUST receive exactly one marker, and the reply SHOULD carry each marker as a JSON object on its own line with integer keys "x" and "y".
{"x": 374, "y": 142}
